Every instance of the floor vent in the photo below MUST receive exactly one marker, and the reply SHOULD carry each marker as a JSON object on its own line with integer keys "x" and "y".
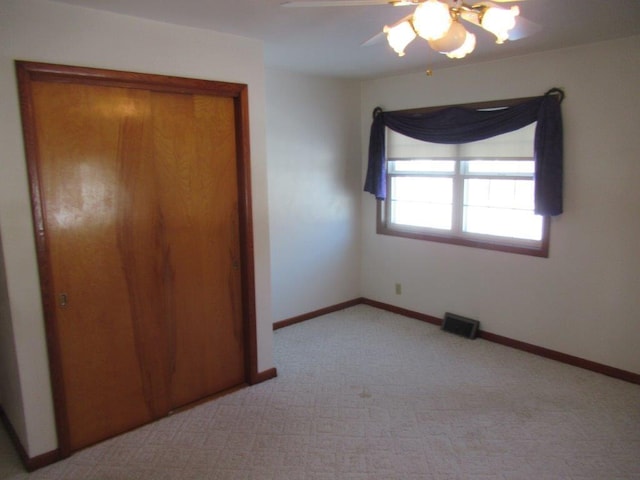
{"x": 462, "y": 326}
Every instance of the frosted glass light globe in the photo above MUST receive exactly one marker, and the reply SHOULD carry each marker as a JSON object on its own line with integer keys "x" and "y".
{"x": 499, "y": 21}
{"x": 467, "y": 47}
{"x": 452, "y": 40}
{"x": 432, "y": 19}
{"x": 399, "y": 36}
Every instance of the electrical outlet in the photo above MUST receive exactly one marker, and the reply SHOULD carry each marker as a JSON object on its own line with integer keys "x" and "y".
{"x": 398, "y": 289}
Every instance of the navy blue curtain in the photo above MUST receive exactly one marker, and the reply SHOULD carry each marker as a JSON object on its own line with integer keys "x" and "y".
{"x": 462, "y": 125}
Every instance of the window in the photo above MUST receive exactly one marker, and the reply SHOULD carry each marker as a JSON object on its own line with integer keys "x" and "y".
{"x": 476, "y": 194}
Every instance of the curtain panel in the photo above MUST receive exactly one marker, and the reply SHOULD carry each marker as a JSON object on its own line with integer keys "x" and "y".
{"x": 455, "y": 125}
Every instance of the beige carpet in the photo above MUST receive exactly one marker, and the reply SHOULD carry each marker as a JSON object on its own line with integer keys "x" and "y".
{"x": 365, "y": 394}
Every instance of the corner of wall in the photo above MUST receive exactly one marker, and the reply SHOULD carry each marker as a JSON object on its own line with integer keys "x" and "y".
{"x": 10, "y": 388}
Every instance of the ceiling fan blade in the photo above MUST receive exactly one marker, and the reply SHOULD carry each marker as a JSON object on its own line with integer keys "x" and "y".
{"x": 361, "y": 3}
{"x": 378, "y": 38}
{"x": 524, "y": 28}
{"x": 494, "y": 3}
{"x": 334, "y": 3}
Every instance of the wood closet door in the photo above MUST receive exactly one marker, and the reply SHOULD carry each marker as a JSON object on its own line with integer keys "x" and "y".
{"x": 202, "y": 255}
{"x": 139, "y": 207}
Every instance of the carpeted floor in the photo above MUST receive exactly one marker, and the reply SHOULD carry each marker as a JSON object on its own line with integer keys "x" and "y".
{"x": 366, "y": 394}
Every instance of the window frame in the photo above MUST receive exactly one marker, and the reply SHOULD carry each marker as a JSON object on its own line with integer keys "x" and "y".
{"x": 482, "y": 241}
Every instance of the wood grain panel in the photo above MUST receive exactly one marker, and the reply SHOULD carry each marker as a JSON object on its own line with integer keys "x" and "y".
{"x": 194, "y": 139}
{"x": 141, "y": 196}
{"x": 142, "y": 224}
{"x": 79, "y": 140}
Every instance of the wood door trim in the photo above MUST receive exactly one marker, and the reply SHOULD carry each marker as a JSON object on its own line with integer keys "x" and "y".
{"x": 116, "y": 78}
{"x": 246, "y": 232}
{"x": 42, "y": 253}
{"x": 28, "y": 72}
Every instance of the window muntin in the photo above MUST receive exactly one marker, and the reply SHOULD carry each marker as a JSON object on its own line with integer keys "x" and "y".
{"x": 479, "y": 193}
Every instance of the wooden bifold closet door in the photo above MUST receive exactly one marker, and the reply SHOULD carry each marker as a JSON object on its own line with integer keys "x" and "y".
{"x": 136, "y": 199}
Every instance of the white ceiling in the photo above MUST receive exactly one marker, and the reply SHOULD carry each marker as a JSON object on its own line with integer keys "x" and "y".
{"x": 328, "y": 40}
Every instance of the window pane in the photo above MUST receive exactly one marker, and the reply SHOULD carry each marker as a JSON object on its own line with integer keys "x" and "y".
{"x": 503, "y": 222}
{"x": 500, "y": 167}
{"x": 425, "y": 215}
{"x": 515, "y": 194}
{"x": 523, "y": 195}
{"x": 422, "y": 202}
{"x": 423, "y": 166}
{"x": 422, "y": 189}
{"x": 502, "y": 208}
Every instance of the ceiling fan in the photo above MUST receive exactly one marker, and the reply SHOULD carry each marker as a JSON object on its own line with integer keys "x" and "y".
{"x": 440, "y": 22}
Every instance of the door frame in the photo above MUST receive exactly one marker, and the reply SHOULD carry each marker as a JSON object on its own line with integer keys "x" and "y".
{"x": 28, "y": 72}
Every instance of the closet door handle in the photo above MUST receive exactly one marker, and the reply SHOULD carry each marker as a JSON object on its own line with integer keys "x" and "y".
{"x": 62, "y": 299}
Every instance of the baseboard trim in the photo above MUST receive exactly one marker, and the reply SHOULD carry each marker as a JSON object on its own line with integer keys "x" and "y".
{"x": 491, "y": 337}
{"x": 404, "y": 312}
{"x": 517, "y": 344}
{"x": 317, "y": 313}
{"x": 562, "y": 357}
{"x": 30, "y": 463}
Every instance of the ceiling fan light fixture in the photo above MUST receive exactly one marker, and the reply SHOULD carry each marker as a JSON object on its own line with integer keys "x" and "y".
{"x": 399, "y": 36}
{"x": 499, "y": 21}
{"x": 432, "y": 19}
{"x": 466, "y": 48}
{"x": 441, "y": 22}
{"x": 452, "y": 41}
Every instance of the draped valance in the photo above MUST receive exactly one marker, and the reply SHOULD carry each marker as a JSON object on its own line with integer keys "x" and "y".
{"x": 455, "y": 125}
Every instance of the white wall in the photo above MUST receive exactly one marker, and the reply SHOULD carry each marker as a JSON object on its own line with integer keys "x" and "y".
{"x": 583, "y": 300}
{"x": 10, "y": 391}
{"x": 313, "y": 146}
{"x": 38, "y": 30}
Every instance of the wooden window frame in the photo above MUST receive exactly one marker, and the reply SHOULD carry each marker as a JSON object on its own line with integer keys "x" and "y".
{"x": 487, "y": 242}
